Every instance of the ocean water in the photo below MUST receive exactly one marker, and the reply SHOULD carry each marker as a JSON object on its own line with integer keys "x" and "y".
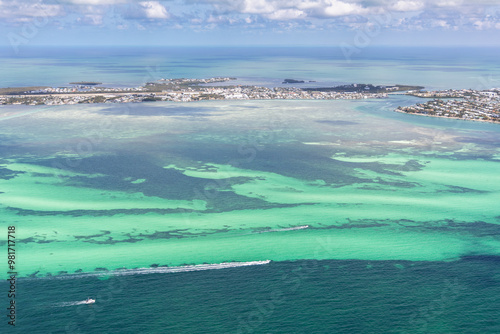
{"x": 434, "y": 68}
{"x": 251, "y": 216}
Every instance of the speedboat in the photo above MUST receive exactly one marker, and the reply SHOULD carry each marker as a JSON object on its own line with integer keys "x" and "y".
{"x": 89, "y": 301}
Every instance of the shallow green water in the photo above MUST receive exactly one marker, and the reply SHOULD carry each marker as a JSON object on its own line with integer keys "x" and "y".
{"x": 119, "y": 186}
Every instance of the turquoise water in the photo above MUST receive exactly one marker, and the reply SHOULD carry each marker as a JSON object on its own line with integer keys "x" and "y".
{"x": 373, "y": 221}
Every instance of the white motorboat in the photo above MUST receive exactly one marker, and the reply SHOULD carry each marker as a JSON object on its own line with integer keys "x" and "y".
{"x": 90, "y": 301}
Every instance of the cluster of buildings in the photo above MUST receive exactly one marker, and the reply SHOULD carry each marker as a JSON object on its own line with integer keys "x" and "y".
{"x": 260, "y": 93}
{"x": 469, "y": 104}
{"x": 449, "y": 93}
{"x": 457, "y": 93}
{"x": 178, "y": 90}
{"x": 465, "y": 103}
{"x": 81, "y": 89}
{"x": 184, "y": 81}
{"x": 61, "y": 99}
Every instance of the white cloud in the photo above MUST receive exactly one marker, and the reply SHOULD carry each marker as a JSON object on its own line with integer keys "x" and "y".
{"x": 146, "y": 10}
{"x": 154, "y": 10}
{"x": 211, "y": 19}
{"x": 441, "y": 24}
{"x": 93, "y": 19}
{"x": 486, "y": 23}
{"x": 408, "y": 6}
{"x": 258, "y": 7}
{"x": 92, "y": 15}
{"x": 353, "y": 14}
{"x": 449, "y": 3}
{"x": 96, "y": 2}
{"x": 261, "y": 14}
{"x": 290, "y": 9}
{"x": 25, "y": 11}
{"x": 339, "y": 8}
{"x": 479, "y": 25}
{"x": 286, "y": 14}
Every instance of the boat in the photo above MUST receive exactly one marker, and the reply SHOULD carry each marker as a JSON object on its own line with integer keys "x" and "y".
{"x": 89, "y": 301}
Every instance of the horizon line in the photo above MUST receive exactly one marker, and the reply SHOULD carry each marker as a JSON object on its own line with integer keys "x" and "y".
{"x": 250, "y": 46}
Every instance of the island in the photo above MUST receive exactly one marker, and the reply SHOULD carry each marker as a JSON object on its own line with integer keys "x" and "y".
{"x": 186, "y": 90}
{"x": 292, "y": 81}
{"x": 367, "y": 88}
{"x": 86, "y": 83}
{"x": 466, "y": 104}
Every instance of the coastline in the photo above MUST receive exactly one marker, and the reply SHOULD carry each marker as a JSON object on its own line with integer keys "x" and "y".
{"x": 473, "y": 105}
{"x": 464, "y": 104}
{"x": 187, "y": 90}
{"x": 446, "y": 117}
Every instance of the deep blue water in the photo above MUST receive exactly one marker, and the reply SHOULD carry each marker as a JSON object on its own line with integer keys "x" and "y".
{"x": 287, "y": 297}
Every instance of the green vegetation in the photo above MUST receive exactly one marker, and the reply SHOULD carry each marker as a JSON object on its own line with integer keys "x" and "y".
{"x": 19, "y": 90}
{"x": 211, "y": 97}
{"x": 86, "y": 83}
{"x": 366, "y": 88}
{"x": 291, "y": 81}
{"x": 151, "y": 99}
{"x": 408, "y": 87}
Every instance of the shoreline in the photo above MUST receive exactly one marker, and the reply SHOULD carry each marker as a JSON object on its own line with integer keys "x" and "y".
{"x": 463, "y": 104}
{"x": 446, "y": 117}
{"x": 187, "y": 90}
{"x": 473, "y": 105}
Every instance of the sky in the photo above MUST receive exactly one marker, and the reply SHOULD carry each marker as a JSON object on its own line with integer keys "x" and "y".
{"x": 349, "y": 23}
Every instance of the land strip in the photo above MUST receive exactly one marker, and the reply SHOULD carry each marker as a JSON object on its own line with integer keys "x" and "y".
{"x": 186, "y": 90}
{"x": 467, "y": 104}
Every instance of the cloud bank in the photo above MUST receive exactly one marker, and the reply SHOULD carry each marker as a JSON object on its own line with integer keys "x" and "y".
{"x": 255, "y": 15}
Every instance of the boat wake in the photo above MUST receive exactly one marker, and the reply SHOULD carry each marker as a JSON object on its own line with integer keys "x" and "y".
{"x": 285, "y": 229}
{"x": 163, "y": 270}
{"x": 66, "y": 304}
